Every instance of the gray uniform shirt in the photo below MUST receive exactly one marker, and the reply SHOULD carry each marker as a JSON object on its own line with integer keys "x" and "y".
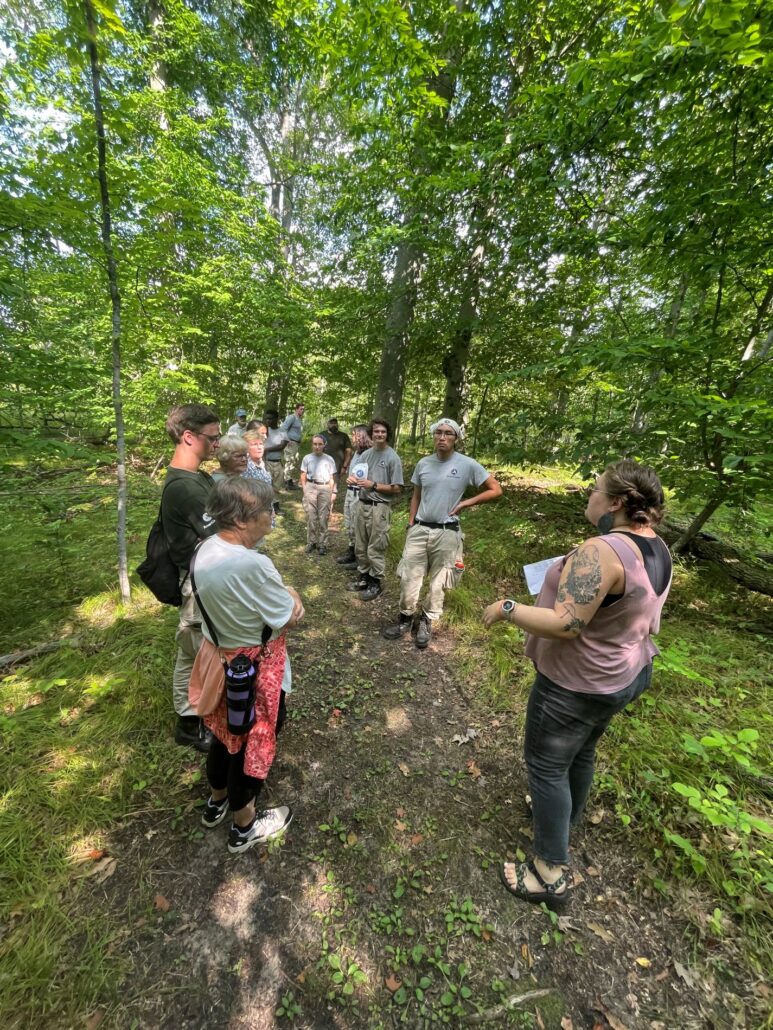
{"x": 443, "y": 483}
{"x": 383, "y": 467}
{"x": 293, "y": 426}
{"x": 319, "y": 468}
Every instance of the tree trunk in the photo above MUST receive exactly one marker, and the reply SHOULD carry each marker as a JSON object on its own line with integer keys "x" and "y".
{"x": 394, "y": 355}
{"x": 115, "y": 298}
{"x": 700, "y": 520}
{"x": 458, "y": 356}
{"x": 415, "y": 420}
{"x": 477, "y": 420}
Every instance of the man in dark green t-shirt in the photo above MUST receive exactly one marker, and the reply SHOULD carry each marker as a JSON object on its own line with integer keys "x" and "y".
{"x": 195, "y": 431}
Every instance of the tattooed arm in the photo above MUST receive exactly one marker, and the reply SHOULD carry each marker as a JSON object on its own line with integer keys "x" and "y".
{"x": 592, "y": 572}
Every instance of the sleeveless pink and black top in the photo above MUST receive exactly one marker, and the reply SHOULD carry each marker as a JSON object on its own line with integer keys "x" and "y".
{"x": 616, "y": 645}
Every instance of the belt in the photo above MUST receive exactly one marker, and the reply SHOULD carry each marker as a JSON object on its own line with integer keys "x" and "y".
{"x": 363, "y": 500}
{"x": 437, "y": 525}
{"x": 354, "y": 489}
{"x": 316, "y": 482}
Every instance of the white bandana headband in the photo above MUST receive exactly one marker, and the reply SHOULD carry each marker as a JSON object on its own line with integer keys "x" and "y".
{"x": 451, "y": 425}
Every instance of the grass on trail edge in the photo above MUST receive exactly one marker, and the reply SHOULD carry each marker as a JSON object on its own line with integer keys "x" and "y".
{"x": 687, "y": 771}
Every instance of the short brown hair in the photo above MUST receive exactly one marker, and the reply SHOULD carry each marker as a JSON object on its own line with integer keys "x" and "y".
{"x": 192, "y": 417}
{"x": 639, "y": 489}
{"x": 379, "y": 422}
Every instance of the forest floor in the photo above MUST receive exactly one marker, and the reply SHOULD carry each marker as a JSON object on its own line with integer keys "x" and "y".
{"x": 382, "y": 905}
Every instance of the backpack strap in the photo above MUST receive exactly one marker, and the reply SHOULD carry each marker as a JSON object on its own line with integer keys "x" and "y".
{"x": 202, "y": 609}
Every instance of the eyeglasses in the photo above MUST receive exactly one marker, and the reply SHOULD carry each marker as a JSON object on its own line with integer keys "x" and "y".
{"x": 590, "y": 490}
{"x": 444, "y": 432}
{"x": 212, "y": 439}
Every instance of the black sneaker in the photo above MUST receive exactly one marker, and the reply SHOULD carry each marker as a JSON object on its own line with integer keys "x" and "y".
{"x": 361, "y": 583}
{"x": 322, "y": 550}
{"x": 269, "y": 823}
{"x": 311, "y": 548}
{"x": 374, "y": 588}
{"x": 399, "y": 629}
{"x": 423, "y": 631}
{"x": 191, "y": 732}
{"x": 214, "y": 812}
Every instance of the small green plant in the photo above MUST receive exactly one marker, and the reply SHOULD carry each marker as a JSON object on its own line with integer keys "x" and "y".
{"x": 462, "y": 918}
{"x": 346, "y": 976}
{"x": 288, "y": 1007}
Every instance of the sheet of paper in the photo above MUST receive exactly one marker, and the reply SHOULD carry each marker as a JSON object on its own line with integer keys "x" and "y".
{"x": 536, "y": 572}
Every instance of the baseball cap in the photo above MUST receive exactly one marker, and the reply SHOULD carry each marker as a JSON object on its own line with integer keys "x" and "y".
{"x": 240, "y": 412}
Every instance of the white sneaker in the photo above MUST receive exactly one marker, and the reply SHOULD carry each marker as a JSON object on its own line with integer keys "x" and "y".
{"x": 269, "y": 823}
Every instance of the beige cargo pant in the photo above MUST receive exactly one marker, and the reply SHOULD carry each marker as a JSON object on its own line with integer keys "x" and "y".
{"x": 276, "y": 472}
{"x": 291, "y": 461}
{"x": 351, "y": 503}
{"x": 371, "y": 537}
{"x": 433, "y": 551}
{"x": 317, "y": 502}
{"x": 188, "y": 639}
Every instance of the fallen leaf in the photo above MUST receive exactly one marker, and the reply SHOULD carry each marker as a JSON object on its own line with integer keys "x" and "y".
{"x": 400, "y": 813}
{"x": 684, "y": 974}
{"x": 473, "y": 769}
{"x": 95, "y": 1019}
{"x": 495, "y": 724}
{"x": 611, "y": 1018}
{"x": 140, "y": 922}
{"x": 348, "y": 793}
{"x": 96, "y": 853}
{"x": 643, "y": 962}
{"x": 486, "y": 934}
{"x": 371, "y": 888}
{"x": 160, "y": 903}
{"x": 591, "y": 870}
{"x": 103, "y": 869}
{"x": 336, "y": 713}
{"x": 566, "y": 1023}
{"x": 464, "y": 738}
{"x": 400, "y": 826}
{"x": 565, "y": 925}
{"x": 404, "y": 769}
{"x": 526, "y": 955}
{"x": 301, "y": 977}
{"x": 417, "y": 838}
{"x": 597, "y": 816}
{"x": 662, "y": 975}
{"x": 539, "y": 1019}
{"x": 599, "y": 930}
{"x": 393, "y": 983}
{"x": 515, "y": 970}
{"x": 351, "y": 838}
{"x": 633, "y": 1003}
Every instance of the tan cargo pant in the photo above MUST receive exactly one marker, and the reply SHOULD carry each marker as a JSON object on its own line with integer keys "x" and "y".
{"x": 317, "y": 502}
{"x": 291, "y": 461}
{"x": 351, "y": 504}
{"x": 276, "y": 472}
{"x": 371, "y": 537}
{"x": 188, "y": 638}
{"x": 433, "y": 551}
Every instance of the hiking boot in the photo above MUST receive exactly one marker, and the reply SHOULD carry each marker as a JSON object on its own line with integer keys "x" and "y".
{"x": 423, "y": 631}
{"x": 350, "y": 558}
{"x": 214, "y": 812}
{"x": 373, "y": 589}
{"x": 191, "y": 732}
{"x": 269, "y": 823}
{"x": 311, "y": 548}
{"x": 322, "y": 549}
{"x": 399, "y": 629}
{"x": 361, "y": 583}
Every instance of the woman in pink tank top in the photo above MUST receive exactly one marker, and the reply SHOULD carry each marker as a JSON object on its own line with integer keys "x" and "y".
{"x": 589, "y": 636}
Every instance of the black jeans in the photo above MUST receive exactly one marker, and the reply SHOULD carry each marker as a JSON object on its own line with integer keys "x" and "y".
{"x": 226, "y": 771}
{"x": 562, "y": 730}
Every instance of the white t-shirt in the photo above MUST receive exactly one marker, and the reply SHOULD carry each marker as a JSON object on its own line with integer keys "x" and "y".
{"x": 319, "y": 467}
{"x": 242, "y": 592}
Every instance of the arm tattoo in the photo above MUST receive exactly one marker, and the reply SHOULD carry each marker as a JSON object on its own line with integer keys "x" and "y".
{"x": 584, "y": 578}
{"x": 573, "y": 624}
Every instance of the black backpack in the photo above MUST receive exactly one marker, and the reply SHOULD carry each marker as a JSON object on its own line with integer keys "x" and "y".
{"x": 158, "y": 572}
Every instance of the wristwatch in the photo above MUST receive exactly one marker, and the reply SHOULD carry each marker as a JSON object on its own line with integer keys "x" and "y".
{"x": 374, "y": 488}
{"x": 508, "y": 607}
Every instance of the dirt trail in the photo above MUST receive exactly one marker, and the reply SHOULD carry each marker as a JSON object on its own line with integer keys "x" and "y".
{"x": 382, "y": 906}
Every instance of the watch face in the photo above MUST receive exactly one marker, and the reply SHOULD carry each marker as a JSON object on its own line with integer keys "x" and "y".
{"x": 508, "y": 606}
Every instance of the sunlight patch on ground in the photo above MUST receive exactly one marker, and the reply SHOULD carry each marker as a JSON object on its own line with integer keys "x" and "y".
{"x": 233, "y": 906}
{"x": 397, "y": 720}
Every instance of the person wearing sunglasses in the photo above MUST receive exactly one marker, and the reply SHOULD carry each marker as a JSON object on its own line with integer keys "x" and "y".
{"x": 434, "y": 546}
{"x": 195, "y": 432}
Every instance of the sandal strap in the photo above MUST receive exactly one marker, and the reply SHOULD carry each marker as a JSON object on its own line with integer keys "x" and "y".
{"x": 550, "y": 888}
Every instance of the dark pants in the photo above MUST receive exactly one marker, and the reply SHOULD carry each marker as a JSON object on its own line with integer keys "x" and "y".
{"x": 226, "y": 771}
{"x": 562, "y": 730}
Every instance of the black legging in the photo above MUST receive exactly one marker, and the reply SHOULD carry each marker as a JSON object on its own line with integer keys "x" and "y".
{"x": 226, "y": 771}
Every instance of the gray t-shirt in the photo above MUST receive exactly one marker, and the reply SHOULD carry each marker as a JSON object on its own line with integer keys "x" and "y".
{"x": 383, "y": 467}
{"x": 443, "y": 484}
{"x": 320, "y": 468}
{"x": 293, "y": 426}
{"x": 237, "y": 430}
{"x": 242, "y": 592}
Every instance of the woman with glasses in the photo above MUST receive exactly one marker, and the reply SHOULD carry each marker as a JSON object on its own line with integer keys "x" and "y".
{"x": 232, "y": 456}
{"x": 256, "y": 448}
{"x": 589, "y": 636}
{"x": 434, "y": 545}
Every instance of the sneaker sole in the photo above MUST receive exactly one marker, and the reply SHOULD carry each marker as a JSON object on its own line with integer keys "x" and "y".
{"x": 237, "y": 849}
